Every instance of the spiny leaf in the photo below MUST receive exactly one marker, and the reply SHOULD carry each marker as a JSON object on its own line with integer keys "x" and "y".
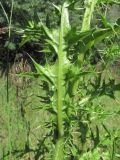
{"x": 55, "y": 47}
{"x": 71, "y": 3}
{"x": 29, "y": 74}
{"x": 43, "y": 71}
{"x": 49, "y": 33}
{"x": 58, "y": 8}
{"x": 65, "y": 18}
{"x": 73, "y": 81}
{"x": 85, "y": 40}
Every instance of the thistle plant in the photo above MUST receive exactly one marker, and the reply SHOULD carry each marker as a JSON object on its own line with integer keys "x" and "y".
{"x": 68, "y": 74}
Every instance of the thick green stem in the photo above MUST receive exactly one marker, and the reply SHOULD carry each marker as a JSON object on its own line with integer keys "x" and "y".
{"x": 59, "y": 100}
{"x": 90, "y": 5}
{"x": 59, "y": 150}
{"x": 61, "y": 64}
{"x": 60, "y": 88}
{"x": 60, "y": 81}
{"x": 89, "y": 9}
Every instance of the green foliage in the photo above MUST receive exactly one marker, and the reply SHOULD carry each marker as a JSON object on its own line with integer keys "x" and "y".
{"x": 109, "y": 1}
{"x": 28, "y": 10}
{"x": 112, "y": 53}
